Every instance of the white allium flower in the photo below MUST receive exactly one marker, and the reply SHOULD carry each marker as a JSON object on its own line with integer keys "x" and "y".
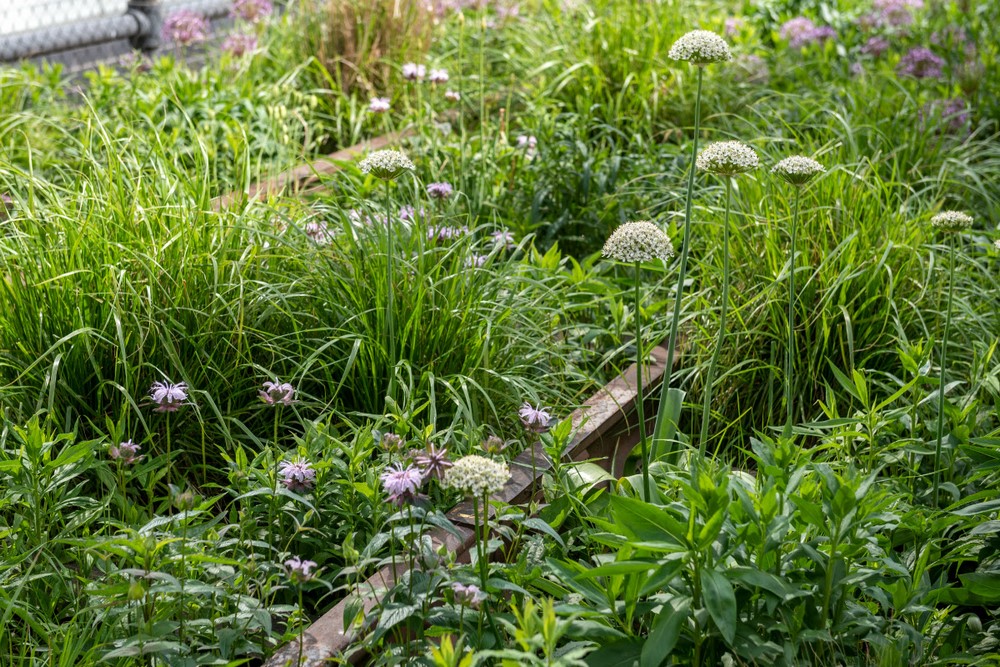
{"x": 475, "y": 475}
{"x": 996, "y": 244}
{"x": 638, "y": 242}
{"x": 797, "y": 169}
{"x": 386, "y": 165}
{"x": 952, "y": 221}
{"x": 701, "y": 47}
{"x": 728, "y": 158}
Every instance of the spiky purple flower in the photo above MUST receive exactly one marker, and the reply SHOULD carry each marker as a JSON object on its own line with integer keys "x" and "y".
{"x": 433, "y": 462}
{"x": 168, "y": 397}
{"x": 185, "y": 27}
{"x": 504, "y": 238}
{"x": 378, "y": 105}
{"x": 127, "y": 452}
{"x": 402, "y": 483}
{"x": 535, "y": 419}
{"x": 452, "y": 95}
{"x": 299, "y": 571}
{"x": 277, "y": 393}
{"x": 414, "y": 72}
{"x": 239, "y": 44}
{"x": 438, "y": 76}
{"x": 468, "y": 596}
{"x": 445, "y": 233}
{"x": 921, "y": 63}
{"x": 439, "y": 190}
{"x": 875, "y": 46}
{"x": 392, "y": 442}
{"x": 298, "y": 475}
{"x": 801, "y": 31}
{"x": 252, "y": 10}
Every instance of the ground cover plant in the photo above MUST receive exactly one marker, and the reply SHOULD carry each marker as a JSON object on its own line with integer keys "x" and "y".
{"x": 218, "y": 420}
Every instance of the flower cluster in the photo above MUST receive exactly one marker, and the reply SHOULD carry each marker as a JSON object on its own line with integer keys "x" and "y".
{"x": 921, "y": 63}
{"x": 638, "y": 242}
{"x": 445, "y": 233}
{"x": 433, "y": 462}
{"x": 733, "y": 26}
{"x": 392, "y": 442}
{"x": 439, "y": 190}
{"x": 476, "y": 261}
{"x": 386, "y": 164}
{"x": 318, "y": 231}
{"x": 727, "y": 158}
{"x": 252, "y": 10}
{"x": 300, "y": 571}
{"x": 875, "y": 46}
{"x": 185, "y": 27}
{"x": 504, "y": 238}
{"x": 701, "y": 47}
{"x": 277, "y": 393}
{"x": 298, "y": 475}
{"x": 402, "y": 483}
{"x": 468, "y": 596}
{"x": 476, "y": 475}
{"x": 952, "y": 221}
{"x": 437, "y": 76}
{"x": 414, "y": 72}
{"x": 378, "y": 105}
{"x": 797, "y": 170}
{"x": 534, "y": 419}
{"x": 408, "y": 213}
{"x": 452, "y": 95}
{"x": 953, "y": 114}
{"x": 127, "y": 452}
{"x": 892, "y": 13}
{"x": 239, "y": 44}
{"x": 801, "y": 32}
{"x": 168, "y": 397}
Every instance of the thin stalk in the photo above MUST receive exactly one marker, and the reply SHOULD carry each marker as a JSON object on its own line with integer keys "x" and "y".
{"x": 661, "y": 413}
{"x": 944, "y": 355}
{"x": 302, "y": 627}
{"x": 481, "y": 540}
{"x": 710, "y": 378}
{"x": 790, "y": 352}
{"x": 390, "y": 341}
{"x": 639, "y": 407}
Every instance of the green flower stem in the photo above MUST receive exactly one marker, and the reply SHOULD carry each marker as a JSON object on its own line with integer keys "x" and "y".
{"x": 481, "y": 541}
{"x": 790, "y": 351}
{"x": 302, "y": 627}
{"x": 944, "y": 356}
{"x": 389, "y": 339}
{"x": 639, "y": 407}
{"x": 720, "y": 340}
{"x": 668, "y": 370}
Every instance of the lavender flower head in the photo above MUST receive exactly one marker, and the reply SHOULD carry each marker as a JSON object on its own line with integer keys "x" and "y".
{"x": 392, "y": 442}
{"x": 127, "y": 452}
{"x": 252, "y": 10}
{"x": 185, "y": 27}
{"x": 801, "y": 32}
{"x": 300, "y": 571}
{"x": 239, "y": 44}
{"x": 504, "y": 238}
{"x": 414, "y": 72}
{"x": 402, "y": 483}
{"x": 733, "y": 26}
{"x": 921, "y": 63}
{"x": 438, "y": 76}
{"x": 439, "y": 190}
{"x": 893, "y": 13}
{"x": 953, "y": 113}
{"x": 408, "y": 213}
{"x": 452, "y": 95}
{"x": 527, "y": 141}
{"x": 468, "y": 596}
{"x": 277, "y": 393}
{"x": 446, "y": 233}
{"x": 875, "y": 46}
{"x": 433, "y": 462}
{"x": 168, "y": 397}
{"x": 477, "y": 261}
{"x": 378, "y": 105}
{"x": 534, "y": 419}
{"x": 298, "y": 475}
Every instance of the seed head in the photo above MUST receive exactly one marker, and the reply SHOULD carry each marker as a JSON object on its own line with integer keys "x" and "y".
{"x": 728, "y": 158}
{"x": 701, "y": 47}
{"x": 387, "y": 165}
{"x": 797, "y": 170}
{"x": 952, "y": 221}
{"x": 638, "y": 242}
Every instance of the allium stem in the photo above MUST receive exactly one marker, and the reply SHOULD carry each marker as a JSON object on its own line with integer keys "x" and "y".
{"x": 661, "y": 414}
{"x": 723, "y": 311}
{"x": 790, "y": 351}
{"x": 481, "y": 540}
{"x": 944, "y": 356}
{"x": 639, "y": 407}
{"x": 388, "y": 337}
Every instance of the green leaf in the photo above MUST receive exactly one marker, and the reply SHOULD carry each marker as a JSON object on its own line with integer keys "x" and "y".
{"x": 668, "y": 415}
{"x": 666, "y": 631}
{"x": 624, "y": 653}
{"x": 539, "y": 525}
{"x": 647, "y": 523}
{"x": 720, "y": 600}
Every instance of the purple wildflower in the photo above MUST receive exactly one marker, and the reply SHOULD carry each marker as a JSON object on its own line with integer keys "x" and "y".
{"x": 445, "y": 233}
{"x": 875, "y": 46}
{"x": 493, "y": 445}
{"x": 535, "y": 420}
{"x": 319, "y": 232}
{"x": 239, "y": 44}
{"x": 857, "y": 69}
{"x": 137, "y": 60}
{"x": 504, "y": 238}
{"x": 527, "y": 141}
{"x": 920, "y": 63}
{"x": 733, "y": 26}
{"x": 252, "y": 10}
{"x": 127, "y": 452}
{"x": 414, "y": 72}
{"x": 468, "y": 596}
{"x": 894, "y": 13}
{"x": 168, "y": 397}
{"x": 298, "y": 475}
{"x": 185, "y": 27}
{"x": 801, "y": 32}
{"x": 452, "y": 95}
{"x": 392, "y": 442}
{"x": 408, "y": 213}
{"x": 952, "y": 114}
{"x": 402, "y": 484}
{"x": 299, "y": 571}
{"x": 275, "y": 393}
{"x": 433, "y": 462}
{"x": 439, "y": 190}
{"x": 378, "y": 105}
{"x": 438, "y": 76}
{"x": 477, "y": 261}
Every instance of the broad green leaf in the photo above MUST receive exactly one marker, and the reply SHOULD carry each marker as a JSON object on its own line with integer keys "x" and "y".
{"x": 664, "y": 634}
{"x": 624, "y": 653}
{"x": 720, "y": 600}
{"x": 647, "y": 523}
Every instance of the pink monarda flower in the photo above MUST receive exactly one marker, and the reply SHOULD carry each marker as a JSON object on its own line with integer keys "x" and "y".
{"x": 408, "y": 213}
{"x": 252, "y": 10}
{"x": 277, "y": 393}
{"x": 468, "y": 596}
{"x": 535, "y": 420}
{"x": 185, "y": 27}
{"x": 414, "y": 72}
{"x": 504, "y": 238}
{"x": 378, "y": 105}
{"x": 477, "y": 261}
{"x": 402, "y": 483}
{"x": 439, "y": 190}
{"x": 527, "y": 141}
{"x": 446, "y": 233}
{"x": 298, "y": 475}
{"x": 433, "y": 462}
{"x": 168, "y": 397}
{"x": 438, "y": 76}
{"x": 300, "y": 571}
{"x": 127, "y": 452}
{"x": 452, "y": 95}
{"x": 239, "y": 44}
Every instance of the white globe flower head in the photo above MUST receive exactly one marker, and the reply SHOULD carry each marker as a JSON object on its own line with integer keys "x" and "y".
{"x": 638, "y": 241}
{"x": 996, "y": 244}
{"x": 701, "y": 47}
{"x": 798, "y": 170}
{"x": 952, "y": 221}
{"x": 727, "y": 158}
{"x": 476, "y": 475}
{"x": 387, "y": 165}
